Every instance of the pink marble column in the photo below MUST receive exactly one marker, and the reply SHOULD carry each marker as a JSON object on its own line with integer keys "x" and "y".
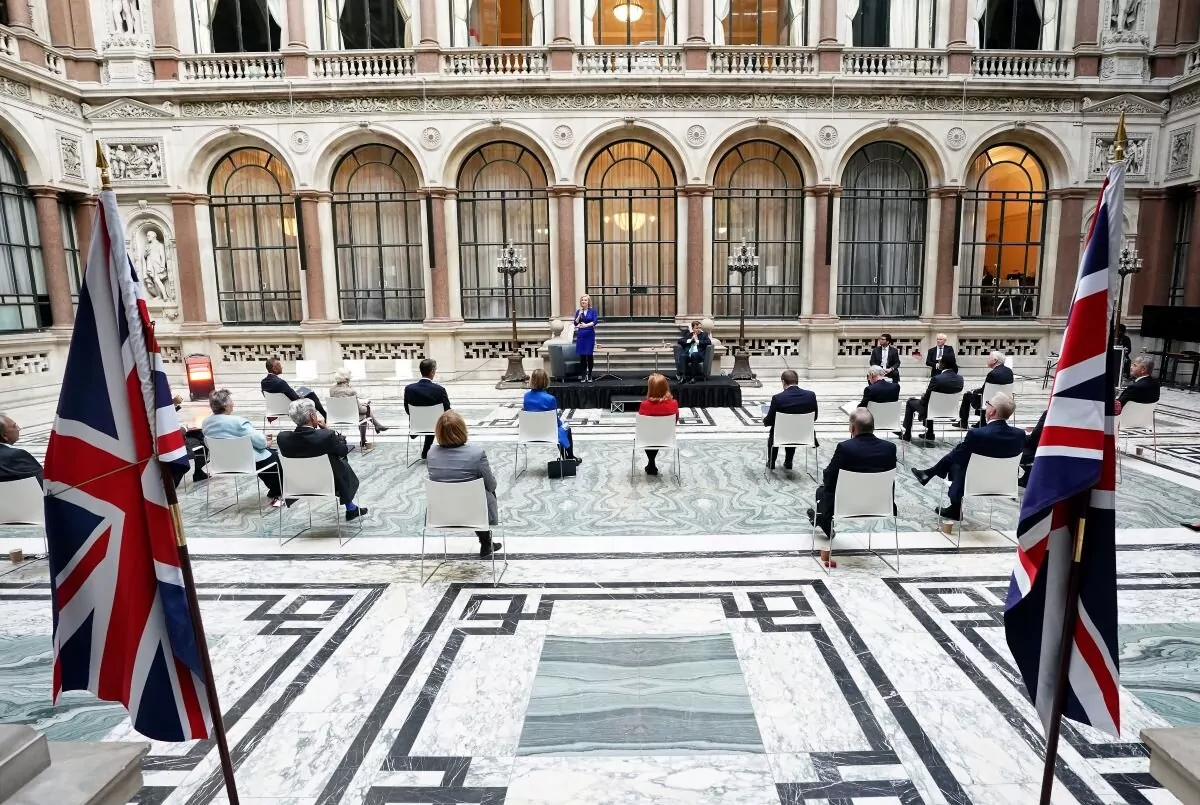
{"x": 20, "y": 16}
{"x": 1087, "y": 38}
{"x": 1070, "y": 227}
{"x": 85, "y": 217}
{"x": 439, "y": 272}
{"x": 562, "y": 21}
{"x": 695, "y": 20}
{"x": 1156, "y": 237}
{"x": 54, "y": 258}
{"x": 429, "y": 32}
{"x": 943, "y": 292}
{"x": 187, "y": 252}
{"x": 695, "y": 195}
{"x": 314, "y": 273}
{"x": 959, "y": 61}
{"x": 564, "y": 236}
{"x": 824, "y": 196}
{"x": 828, "y": 22}
{"x": 166, "y": 41}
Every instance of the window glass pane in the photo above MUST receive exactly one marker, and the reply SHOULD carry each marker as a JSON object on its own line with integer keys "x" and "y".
{"x": 628, "y": 22}
{"x": 241, "y": 26}
{"x": 22, "y": 278}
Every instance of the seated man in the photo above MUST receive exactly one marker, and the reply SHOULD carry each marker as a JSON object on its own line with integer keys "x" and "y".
{"x": 274, "y": 384}
{"x": 792, "y": 400}
{"x": 946, "y": 381}
{"x": 15, "y": 463}
{"x": 879, "y": 389}
{"x": 998, "y": 375}
{"x": 193, "y": 438}
{"x": 695, "y": 345}
{"x": 311, "y": 439}
{"x": 1142, "y": 387}
{"x": 862, "y": 452}
{"x": 426, "y": 392}
{"x": 996, "y": 439}
{"x": 1030, "y": 450}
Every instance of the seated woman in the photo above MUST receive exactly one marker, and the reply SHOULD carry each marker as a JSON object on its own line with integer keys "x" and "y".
{"x": 342, "y": 388}
{"x": 538, "y": 399}
{"x": 453, "y": 461}
{"x": 658, "y": 402}
{"x": 224, "y": 425}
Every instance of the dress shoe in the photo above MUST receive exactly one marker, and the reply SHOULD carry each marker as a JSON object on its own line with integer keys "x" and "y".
{"x": 577, "y": 460}
{"x": 905, "y": 437}
{"x": 787, "y": 465}
{"x": 812, "y": 519}
{"x": 921, "y": 475}
{"x": 381, "y": 428}
{"x": 486, "y": 553}
{"x": 771, "y": 464}
{"x": 812, "y": 516}
{"x": 951, "y": 512}
{"x": 651, "y": 469}
{"x": 361, "y": 511}
{"x": 197, "y": 477}
{"x": 929, "y": 436}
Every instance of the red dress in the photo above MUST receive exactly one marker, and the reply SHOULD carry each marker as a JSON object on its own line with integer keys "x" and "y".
{"x": 660, "y": 408}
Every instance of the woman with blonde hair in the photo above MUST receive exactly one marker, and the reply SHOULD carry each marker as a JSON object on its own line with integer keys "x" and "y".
{"x": 342, "y": 388}
{"x": 453, "y": 461}
{"x": 538, "y": 399}
{"x": 659, "y": 402}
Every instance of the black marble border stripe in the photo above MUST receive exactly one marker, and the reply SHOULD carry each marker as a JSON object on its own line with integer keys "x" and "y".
{"x": 449, "y": 796}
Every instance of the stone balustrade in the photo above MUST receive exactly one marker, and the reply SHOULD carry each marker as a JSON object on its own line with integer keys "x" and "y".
{"x": 892, "y": 61}
{"x": 616, "y": 61}
{"x": 762, "y": 61}
{"x": 231, "y": 67}
{"x": 1191, "y": 64}
{"x": 1022, "y": 64}
{"x": 362, "y": 64}
{"x": 494, "y": 61}
{"x": 8, "y": 45}
{"x": 54, "y": 63}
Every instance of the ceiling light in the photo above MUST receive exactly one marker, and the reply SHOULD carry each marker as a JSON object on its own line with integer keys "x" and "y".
{"x": 628, "y": 11}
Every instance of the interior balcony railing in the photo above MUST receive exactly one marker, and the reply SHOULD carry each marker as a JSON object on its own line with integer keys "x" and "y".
{"x": 1191, "y": 65}
{"x": 495, "y": 61}
{"x": 762, "y": 61}
{"x": 54, "y": 63}
{"x": 619, "y": 60}
{"x": 893, "y": 61}
{"x": 362, "y": 64}
{"x": 1022, "y": 64}
{"x": 231, "y": 67}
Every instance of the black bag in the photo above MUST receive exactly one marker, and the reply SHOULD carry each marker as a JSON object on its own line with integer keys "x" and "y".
{"x": 561, "y": 469}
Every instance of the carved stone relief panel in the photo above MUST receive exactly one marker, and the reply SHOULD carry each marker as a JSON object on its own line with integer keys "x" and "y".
{"x": 70, "y": 156}
{"x": 1138, "y": 155}
{"x": 1179, "y": 155}
{"x": 136, "y": 160}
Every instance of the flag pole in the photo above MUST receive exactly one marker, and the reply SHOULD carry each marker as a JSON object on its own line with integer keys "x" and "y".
{"x": 189, "y": 583}
{"x": 1120, "y": 139}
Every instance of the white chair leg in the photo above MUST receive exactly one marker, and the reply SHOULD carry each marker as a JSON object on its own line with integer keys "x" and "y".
{"x": 421, "y": 567}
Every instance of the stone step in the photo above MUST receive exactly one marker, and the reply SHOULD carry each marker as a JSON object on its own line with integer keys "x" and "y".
{"x": 67, "y": 772}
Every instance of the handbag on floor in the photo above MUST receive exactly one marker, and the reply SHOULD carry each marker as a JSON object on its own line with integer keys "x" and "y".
{"x": 561, "y": 469}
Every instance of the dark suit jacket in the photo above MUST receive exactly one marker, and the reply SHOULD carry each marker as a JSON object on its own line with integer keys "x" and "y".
{"x": 881, "y": 391}
{"x": 948, "y": 359}
{"x": 999, "y": 375}
{"x": 426, "y": 392}
{"x": 1032, "y": 439}
{"x": 1143, "y": 390}
{"x": 863, "y": 453}
{"x": 792, "y": 400}
{"x": 704, "y": 342}
{"x": 16, "y": 464}
{"x": 309, "y": 442}
{"x": 947, "y": 382}
{"x": 275, "y": 384}
{"x": 891, "y": 361}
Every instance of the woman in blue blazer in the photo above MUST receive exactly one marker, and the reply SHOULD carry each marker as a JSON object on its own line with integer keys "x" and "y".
{"x": 585, "y": 338}
{"x": 538, "y": 399}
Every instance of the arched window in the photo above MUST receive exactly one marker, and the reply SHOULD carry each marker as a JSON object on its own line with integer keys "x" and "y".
{"x": 255, "y": 239}
{"x": 760, "y": 22}
{"x": 238, "y": 26}
{"x": 1004, "y": 218}
{"x": 497, "y": 23}
{"x": 377, "y": 235}
{"x": 629, "y": 232}
{"x": 365, "y": 24}
{"x": 24, "y": 304}
{"x": 502, "y": 199}
{"x": 628, "y": 22}
{"x": 882, "y": 250}
{"x": 758, "y": 197}
{"x": 1017, "y": 24}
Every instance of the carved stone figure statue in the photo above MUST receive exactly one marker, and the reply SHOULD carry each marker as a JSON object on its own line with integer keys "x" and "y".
{"x": 1124, "y": 14}
{"x": 126, "y": 17}
{"x": 155, "y": 275}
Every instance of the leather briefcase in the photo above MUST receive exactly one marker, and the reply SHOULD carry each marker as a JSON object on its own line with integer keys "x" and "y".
{"x": 561, "y": 469}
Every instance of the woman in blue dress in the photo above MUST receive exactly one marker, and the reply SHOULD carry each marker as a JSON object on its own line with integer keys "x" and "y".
{"x": 585, "y": 337}
{"x": 538, "y": 399}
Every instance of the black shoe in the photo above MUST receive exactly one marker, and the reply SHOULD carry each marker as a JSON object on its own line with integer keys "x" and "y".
{"x": 962, "y": 425}
{"x": 812, "y": 516}
{"x": 787, "y": 465}
{"x": 951, "y": 512}
{"x": 922, "y": 475}
{"x": 361, "y": 511}
{"x": 382, "y": 428}
{"x": 577, "y": 460}
{"x": 929, "y": 436}
{"x": 771, "y": 464}
{"x": 486, "y": 553}
{"x": 905, "y": 437}
{"x": 424, "y": 457}
{"x": 197, "y": 477}
{"x": 651, "y": 469}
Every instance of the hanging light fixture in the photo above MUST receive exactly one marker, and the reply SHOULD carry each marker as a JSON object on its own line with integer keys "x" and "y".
{"x": 628, "y": 11}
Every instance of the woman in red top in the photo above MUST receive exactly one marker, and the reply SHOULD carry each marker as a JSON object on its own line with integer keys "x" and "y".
{"x": 658, "y": 402}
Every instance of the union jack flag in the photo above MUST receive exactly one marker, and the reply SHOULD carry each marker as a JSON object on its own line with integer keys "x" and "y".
{"x": 122, "y": 627}
{"x": 1073, "y": 477}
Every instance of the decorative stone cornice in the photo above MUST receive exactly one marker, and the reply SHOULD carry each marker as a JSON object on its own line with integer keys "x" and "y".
{"x": 127, "y": 109}
{"x": 1127, "y": 103}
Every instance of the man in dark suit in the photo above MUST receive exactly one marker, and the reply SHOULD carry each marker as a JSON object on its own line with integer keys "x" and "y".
{"x": 15, "y": 463}
{"x": 879, "y": 388}
{"x": 311, "y": 439}
{"x": 946, "y": 381}
{"x": 943, "y": 353}
{"x": 695, "y": 345}
{"x": 998, "y": 375}
{"x": 996, "y": 439}
{"x": 1030, "y": 450}
{"x": 274, "y": 384}
{"x": 426, "y": 392}
{"x": 1142, "y": 387}
{"x": 792, "y": 400}
{"x": 862, "y": 452}
{"x": 887, "y": 356}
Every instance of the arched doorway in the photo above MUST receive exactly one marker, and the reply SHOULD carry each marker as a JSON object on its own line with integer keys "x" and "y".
{"x": 629, "y": 231}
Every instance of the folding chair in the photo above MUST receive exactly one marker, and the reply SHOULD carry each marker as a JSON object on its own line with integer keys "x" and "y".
{"x": 796, "y": 430}
{"x": 23, "y": 503}
{"x": 535, "y": 427}
{"x": 458, "y": 506}
{"x": 343, "y": 411}
{"x": 274, "y": 406}
{"x": 422, "y": 419}
{"x": 232, "y": 457}
{"x": 990, "y": 390}
{"x": 654, "y": 433}
{"x": 862, "y": 496}
{"x": 943, "y": 408}
{"x": 311, "y": 478}
{"x": 1137, "y": 415}
{"x": 889, "y": 417}
{"x": 988, "y": 477}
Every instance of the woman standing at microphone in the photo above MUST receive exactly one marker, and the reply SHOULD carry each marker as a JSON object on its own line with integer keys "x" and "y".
{"x": 585, "y": 337}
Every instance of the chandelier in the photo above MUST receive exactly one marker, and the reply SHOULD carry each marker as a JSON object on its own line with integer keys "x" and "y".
{"x": 627, "y": 221}
{"x": 628, "y": 11}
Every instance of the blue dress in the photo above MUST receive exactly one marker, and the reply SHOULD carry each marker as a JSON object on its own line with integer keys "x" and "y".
{"x": 538, "y": 400}
{"x": 585, "y": 338}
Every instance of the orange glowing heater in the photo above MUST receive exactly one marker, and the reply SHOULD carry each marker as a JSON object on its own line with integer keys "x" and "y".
{"x": 199, "y": 376}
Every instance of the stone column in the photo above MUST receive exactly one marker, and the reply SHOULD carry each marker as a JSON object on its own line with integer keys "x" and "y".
{"x": 1070, "y": 239}
{"x": 1191, "y": 288}
{"x": 959, "y": 51}
{"x": 695, "y": 20}
{"x": 564, "y": 235}
{"x": 58, "y": 14}
{"x": 54, "y": 259}
{"x": 429, "y": 28}
{"x": 85, "y": 217}
{"x": 439, "y": 271}
{"x": 295, "y": 53}
{"x": 166, "y": 41}
{"x": 824, "y": 196}
{"x": 20, "y": 16}
{"x": 314, "y": 273}
{"x": 695, "y": 48}
{"x": 187, "y": 252}
{"x": 695, "y": 195}
{"x": 829, "y": 49}
{"x": 1188, "y": 28}
{"x": 943, "y": 280}
{"x": 1087, "y": 38}
{"x": 1155, "y": 243}
{"x": 562, "y": 48}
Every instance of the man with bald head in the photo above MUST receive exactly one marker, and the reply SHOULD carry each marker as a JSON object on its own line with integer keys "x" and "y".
{"x": 862, "y": 452}
{"x": 15, "y": 463}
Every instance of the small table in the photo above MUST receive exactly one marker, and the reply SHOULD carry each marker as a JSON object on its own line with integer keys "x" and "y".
{"x": 608, "y": 352}
{"x": 664, "y": 349}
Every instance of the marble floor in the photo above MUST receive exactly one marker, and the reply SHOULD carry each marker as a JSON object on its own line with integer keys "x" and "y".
{"x": 652, "y": 640}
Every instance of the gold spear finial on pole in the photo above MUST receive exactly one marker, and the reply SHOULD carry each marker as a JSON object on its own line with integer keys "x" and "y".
{"x": 1119, "y": 140}
{"x": 102, "y": 164}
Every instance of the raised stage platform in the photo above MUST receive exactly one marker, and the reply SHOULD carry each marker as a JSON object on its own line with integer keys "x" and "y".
{"x": 715, "y": 392}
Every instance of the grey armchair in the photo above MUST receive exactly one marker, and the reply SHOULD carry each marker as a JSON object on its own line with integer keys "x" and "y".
{"x": 708, "y": 360}
{"x": 564, "y": 362}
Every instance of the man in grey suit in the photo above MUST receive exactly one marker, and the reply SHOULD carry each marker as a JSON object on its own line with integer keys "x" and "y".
{"x": 454, "y": 461}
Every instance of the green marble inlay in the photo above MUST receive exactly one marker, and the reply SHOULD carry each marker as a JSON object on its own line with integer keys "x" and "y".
{"x": 1160, "y": 664}
{"x": 622, "y": 696}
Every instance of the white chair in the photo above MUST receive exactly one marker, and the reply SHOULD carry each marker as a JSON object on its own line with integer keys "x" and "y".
{"x": 943, "y": 408}
{"x": 311, "y": 478}
{"x": 422, "y": 419}
{"x": 990, "y": 390}
{"x": 535, "y": 427}
{"x": 1137, "y": 415}
{"x": 357, "y": 370}
{"x": 22, "y": 503}
{"x": 458, "y": 506}
{"x": 654, "y": 433}
{"x": 306, "y": 371}
{"x": 889, "y": 417}
{"x": 989, "y": 477}
{"x": 796, "y": 430}
{"x": 343, "y": 411}
{"x": 274, "y": 406}
{"x": 862, "y": 496}
{"x": 233, "y": 457}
